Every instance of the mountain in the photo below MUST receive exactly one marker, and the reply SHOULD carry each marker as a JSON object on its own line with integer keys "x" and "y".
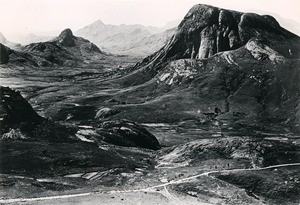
{"x": 236, "y": 68}
{"x": 136, "y": 40}
{"x": 64, "y": 50}
{"x": 7, "y": 43}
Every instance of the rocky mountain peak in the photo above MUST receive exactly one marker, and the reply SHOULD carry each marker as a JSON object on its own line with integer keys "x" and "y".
{"x": 66, "y": 38}
{"x": 207, "y": 30}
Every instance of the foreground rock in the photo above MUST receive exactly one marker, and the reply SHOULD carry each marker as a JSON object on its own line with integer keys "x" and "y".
{"x": 3, "y": 54}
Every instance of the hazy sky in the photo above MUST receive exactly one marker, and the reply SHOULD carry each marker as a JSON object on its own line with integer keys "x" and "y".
{"x": 26, "y": 16}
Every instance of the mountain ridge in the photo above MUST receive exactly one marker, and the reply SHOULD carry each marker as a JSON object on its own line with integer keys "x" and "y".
{"x": 126, "y": 39}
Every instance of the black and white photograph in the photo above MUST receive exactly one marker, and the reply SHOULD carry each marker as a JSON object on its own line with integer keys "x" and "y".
{"x": 149, "y": 102}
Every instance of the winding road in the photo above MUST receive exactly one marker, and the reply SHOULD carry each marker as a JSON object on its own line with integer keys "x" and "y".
{"x": 165, "y": 192}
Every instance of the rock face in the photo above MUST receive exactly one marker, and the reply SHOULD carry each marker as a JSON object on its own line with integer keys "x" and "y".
{"x": 206, "y": 30}
{"x": 3, "y": 54}
{"x": 127, "y": 133}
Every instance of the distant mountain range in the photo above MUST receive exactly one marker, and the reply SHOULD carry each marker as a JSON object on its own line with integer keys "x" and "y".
{"x": 137, "y": 40}
{"x": 8, "y": 43}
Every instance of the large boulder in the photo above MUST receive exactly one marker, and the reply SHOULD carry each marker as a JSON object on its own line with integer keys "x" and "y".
{"x": 127, "y": 133}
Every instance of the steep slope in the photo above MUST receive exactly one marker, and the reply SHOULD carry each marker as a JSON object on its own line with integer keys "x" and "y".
{"x": 136, "y": 40}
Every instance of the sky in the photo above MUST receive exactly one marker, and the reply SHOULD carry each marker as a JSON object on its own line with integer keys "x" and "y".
{"x": 34, "y": 16}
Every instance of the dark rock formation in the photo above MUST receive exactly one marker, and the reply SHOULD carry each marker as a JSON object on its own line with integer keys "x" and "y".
{"x": 66, "y": 38}
{"x": 207, "y": 30}
{"x": 3, "y": 54}
{"x": 14, "y": 109}
{"x": 106, "y": 112}
{"x": 127, "y": 133}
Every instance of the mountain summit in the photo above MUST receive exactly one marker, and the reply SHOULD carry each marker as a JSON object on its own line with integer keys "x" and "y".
{"x": 207, "y": 30}
{"x": 66, "y": 38}
{"x": 64, "y": 50}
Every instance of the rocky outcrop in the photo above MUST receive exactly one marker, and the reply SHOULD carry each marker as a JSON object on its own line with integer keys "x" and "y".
{"x": 128, "y": 134}
{"x": 206, "y": 30}
{"x": 66, "y": 38}
{"x": 3, "y": 54}
{"x": 106, "y": 112}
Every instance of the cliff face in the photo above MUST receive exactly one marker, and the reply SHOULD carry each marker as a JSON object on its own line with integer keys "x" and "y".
{"x": 206, "y": 30}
